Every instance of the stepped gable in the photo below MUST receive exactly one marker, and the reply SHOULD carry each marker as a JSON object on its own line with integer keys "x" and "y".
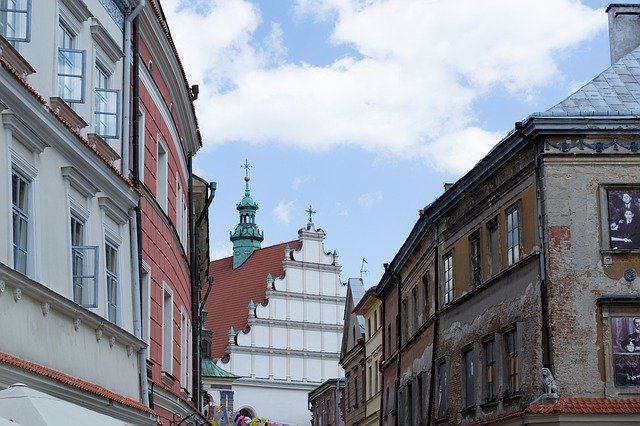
{"x": 234, "y": 289}
{"x": 615, "y": 92}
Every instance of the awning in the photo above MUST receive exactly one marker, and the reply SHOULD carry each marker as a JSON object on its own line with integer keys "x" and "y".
{"x": 27, "y": 406}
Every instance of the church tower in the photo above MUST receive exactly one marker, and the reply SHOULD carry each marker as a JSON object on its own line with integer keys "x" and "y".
{"x": 247, "y": 237}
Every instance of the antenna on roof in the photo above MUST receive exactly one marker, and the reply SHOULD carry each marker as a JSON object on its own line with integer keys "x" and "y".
{"x": 364, "y": 270}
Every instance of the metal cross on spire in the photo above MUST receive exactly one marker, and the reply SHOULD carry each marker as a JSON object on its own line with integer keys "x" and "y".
{"x": 246, "y": 166}
{"x": 311, "y": 212}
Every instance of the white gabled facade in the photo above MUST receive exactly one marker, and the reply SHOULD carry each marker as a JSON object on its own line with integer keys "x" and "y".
{"x": 293, "y": 342}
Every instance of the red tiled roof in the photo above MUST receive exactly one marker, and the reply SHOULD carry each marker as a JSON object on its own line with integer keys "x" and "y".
{"x": 72, "y": 381}
{"x": 234, "y": 289}
{"x": 587, "y": 406}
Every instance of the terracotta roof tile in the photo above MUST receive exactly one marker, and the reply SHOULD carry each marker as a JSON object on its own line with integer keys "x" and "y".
{"x": 72, "y": 381}
{"x": 587, "y": 406}
{"x": 234, "y": 289}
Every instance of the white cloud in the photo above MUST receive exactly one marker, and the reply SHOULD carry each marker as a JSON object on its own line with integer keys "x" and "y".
{"x": 222, "y": 250}
{"x": 298, "y": 182}
{"x": 282, "y": 212}
{"x": 369, "y": 199}
{"x": 411, "y": 84}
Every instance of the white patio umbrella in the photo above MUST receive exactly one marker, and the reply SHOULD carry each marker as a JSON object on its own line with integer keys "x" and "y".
{"x": 27, "y": 406}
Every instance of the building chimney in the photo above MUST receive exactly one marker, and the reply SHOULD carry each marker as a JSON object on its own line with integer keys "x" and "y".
{"x": 624, "y": 29}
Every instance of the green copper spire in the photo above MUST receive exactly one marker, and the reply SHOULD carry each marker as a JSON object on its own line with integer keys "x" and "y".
{"x": 247, "y": 236}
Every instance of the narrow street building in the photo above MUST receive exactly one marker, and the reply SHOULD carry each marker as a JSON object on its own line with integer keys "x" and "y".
{"x": 530, "y": 260}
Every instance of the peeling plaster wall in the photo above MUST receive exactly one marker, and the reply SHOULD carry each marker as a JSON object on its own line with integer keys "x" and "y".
{"x": 577, "y": 277}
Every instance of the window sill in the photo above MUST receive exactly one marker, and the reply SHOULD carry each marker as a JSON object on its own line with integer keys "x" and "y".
{"x": 511, "y": 398}
{"x": 489, "y": 404}
{"x": 468, "y": 410}
{"x": 167, "y": 379}
{"x": 15, "y": 59}
{"x": 60, "y": 107}
{"x": 442, "y": 419}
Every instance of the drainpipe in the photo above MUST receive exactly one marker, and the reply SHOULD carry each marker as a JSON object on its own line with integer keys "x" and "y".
{"x": 126, "y": 111}
{"x": 436, "y": 322}
{"x": 547, "y": 356}
{"x": 134, "y": 214}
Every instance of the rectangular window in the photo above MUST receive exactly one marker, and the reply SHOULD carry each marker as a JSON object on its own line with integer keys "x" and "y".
{"x": 425, "y": 295}
{"x": 363, "y": 398}
{"x": 111, "y": 256}
{"x": 414, "y": 309}
{"x": 420, "y": 397}
{"x": 20, "y": 210}
{"x": 84, "y": 265}
{"x": 513, "y": 235}
{"x": 410, "y": 402}
{"x": 183, "y": 349}
{"x": 167, "y": 331}
{"x": 146, "y": 303}
{"x": 355, "y": 390}
{"x": 441, "y": 389}
{"x": 370, "y": 388}
{"x": 489, "y": 371}
{"x": 404, "y": 320}
{"x": 476, "y": 262}
{"x": 368, "y": 327}
{"x": 105, "y": 105}
{"x": 375, "y": 320}
{"x": 71, "y": 66}
{"x": 388, "y": 339}
{"x": 469, "y": 377}
{"x": 448, "y": 278}
{"x": 15, "y": 20}
{"x": 513, "y": 367}
{"x": 493, "y": 240}
{"x": 162, "y": 176}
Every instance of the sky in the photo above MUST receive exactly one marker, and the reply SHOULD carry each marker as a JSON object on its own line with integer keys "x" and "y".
{"x": 364, "y": 109}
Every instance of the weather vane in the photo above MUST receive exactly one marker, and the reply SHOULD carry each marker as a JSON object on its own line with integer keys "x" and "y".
{"x": 246, "y": 166}
{"x": 311, "y": 212}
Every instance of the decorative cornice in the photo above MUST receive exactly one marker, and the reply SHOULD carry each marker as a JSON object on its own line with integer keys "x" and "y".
{"x": 78, "y": 181}
{"x": 26, "y": 135}
{"x": 612, "y": 147}
{"x": 78, "y": 9}
{"x": 105, "y": 41}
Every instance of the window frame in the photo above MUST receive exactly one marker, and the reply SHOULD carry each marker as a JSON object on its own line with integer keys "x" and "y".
{"x": 448, "y": 278}
{"x": 512, "y": 360}
{"x": 5, "y": 10}
{"x": 475, "y": 259}
{"x": 78, "y": 252}
{"x": 22, "y": 214}
{"x": 101, "y": 92}
{"x": 493, "y": 246}
{"x": 441, "y": 389}
{"x": 514, "y": 248}
{"x": 162, "y": 174}
{"x": 489, "y": 369}
{"x": 113, "y": 278}
{"x": 469, "y": 376}
{"x": 67, "y": 30}
{"x": 167, "y": 329}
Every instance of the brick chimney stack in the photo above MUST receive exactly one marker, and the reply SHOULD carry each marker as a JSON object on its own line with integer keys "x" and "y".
{"x": 624, "y": 29}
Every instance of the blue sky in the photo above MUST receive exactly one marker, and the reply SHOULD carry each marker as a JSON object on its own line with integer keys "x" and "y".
{"x": 365, "y": 108}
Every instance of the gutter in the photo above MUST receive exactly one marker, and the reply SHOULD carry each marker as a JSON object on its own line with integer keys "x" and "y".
{"x": 126, "y": 111}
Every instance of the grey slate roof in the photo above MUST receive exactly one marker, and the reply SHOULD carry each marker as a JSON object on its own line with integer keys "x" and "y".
{"x": 357, "y": 292}
{"x": 615, "y": 92}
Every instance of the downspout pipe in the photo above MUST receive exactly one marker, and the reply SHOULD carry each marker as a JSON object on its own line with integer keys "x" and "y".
{"x": 436, "y": 321}
{"x": 547, "y": 356}
{"x": 126, "y": 72}
{"x": 135, "y": 217}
